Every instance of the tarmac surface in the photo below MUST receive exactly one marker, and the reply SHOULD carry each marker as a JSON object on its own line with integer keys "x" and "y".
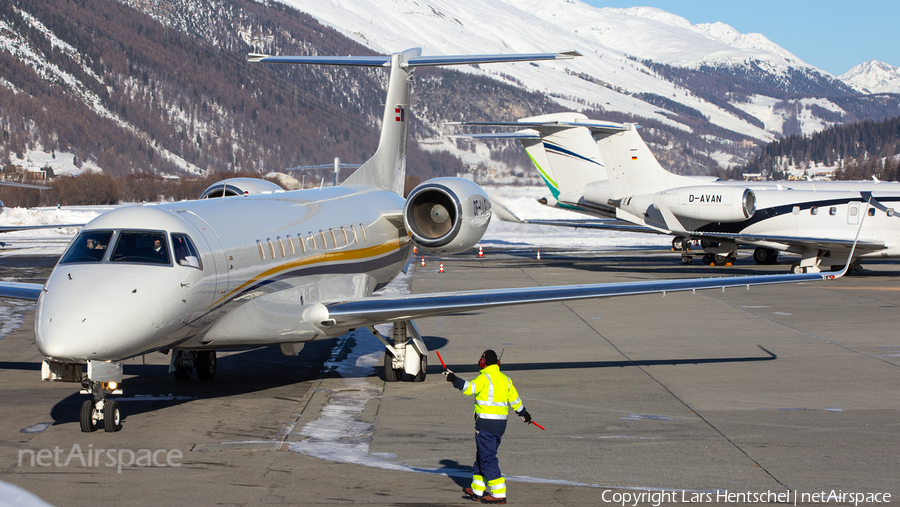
{"x": 781, "y": 389}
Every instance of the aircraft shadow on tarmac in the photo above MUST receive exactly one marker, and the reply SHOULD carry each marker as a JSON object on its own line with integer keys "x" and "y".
{"x": 669, "y": 263}
{"x": 571, "y": 365}
{"x": 265, "y": 368}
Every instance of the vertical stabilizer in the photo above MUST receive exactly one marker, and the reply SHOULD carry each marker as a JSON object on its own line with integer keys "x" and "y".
{"x": 570, "y": 155}
{"x": 632, "y": 168}
{"x": 387, "y": 167}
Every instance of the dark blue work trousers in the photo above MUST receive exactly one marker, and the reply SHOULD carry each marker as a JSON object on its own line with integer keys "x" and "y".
{"x": 486, "y": 463}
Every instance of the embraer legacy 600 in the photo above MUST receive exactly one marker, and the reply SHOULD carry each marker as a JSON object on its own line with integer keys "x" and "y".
{"x": 250, "y": 264}
{"x": 605, "y": 169}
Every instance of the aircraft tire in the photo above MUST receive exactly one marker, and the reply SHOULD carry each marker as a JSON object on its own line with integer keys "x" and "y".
{"x": 423, "y": 366}
{"x": 705, "y": 243}
{"x": 765, "y": 256}
{"x": 680, "y": 243}
{"x": 719, "y": 259}
{"x": 112, "y": 416}
{"x": 206, "y": 365}
{"x": 686, "y": 259}
{"x": 390, "y": 374}
{"x": 87, "y": 419}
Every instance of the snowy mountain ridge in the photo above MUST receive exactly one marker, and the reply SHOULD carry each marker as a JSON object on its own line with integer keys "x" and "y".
{"x": 784, "y": 95}
{"x": 873, "y": 77}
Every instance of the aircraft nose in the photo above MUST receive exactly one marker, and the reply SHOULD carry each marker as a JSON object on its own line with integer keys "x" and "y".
{"x": 97, "y": 313}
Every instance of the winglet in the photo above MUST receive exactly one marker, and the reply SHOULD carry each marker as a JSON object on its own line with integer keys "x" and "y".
{"x": 868, "y": 197}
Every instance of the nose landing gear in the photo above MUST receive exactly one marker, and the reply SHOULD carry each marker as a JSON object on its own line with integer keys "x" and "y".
{"x": 102, "y": 380}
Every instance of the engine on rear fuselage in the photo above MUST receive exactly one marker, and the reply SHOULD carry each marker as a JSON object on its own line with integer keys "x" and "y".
{"x": 447, "y": 215}
{"x": 239, "y": 186}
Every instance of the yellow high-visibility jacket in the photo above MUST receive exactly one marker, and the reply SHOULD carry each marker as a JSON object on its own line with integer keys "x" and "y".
{"x": 494, "y": 394}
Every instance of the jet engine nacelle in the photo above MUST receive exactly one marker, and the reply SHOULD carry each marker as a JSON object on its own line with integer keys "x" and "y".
{"x": 710, "y": 203}
{"x": 447, "y": 215}
{"x": 239, "y": 186}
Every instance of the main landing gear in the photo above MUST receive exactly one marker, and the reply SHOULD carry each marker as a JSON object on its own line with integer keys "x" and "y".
{"x": 102, "y": 380}
{"x": 405, "y": 354}
{"x": 183, "y": 362}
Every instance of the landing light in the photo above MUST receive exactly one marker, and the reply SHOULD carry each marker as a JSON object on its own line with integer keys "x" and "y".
{"x": 113, "y": 385}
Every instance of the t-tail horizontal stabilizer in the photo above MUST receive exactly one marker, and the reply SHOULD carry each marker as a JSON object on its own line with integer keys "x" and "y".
{"x": 387, "y": 167}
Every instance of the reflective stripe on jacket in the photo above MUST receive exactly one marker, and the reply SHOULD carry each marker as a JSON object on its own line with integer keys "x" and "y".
{"x": 494, "y": 394}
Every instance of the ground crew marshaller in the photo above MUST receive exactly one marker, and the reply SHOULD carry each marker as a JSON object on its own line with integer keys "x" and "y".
{"x": 494, "y": 394}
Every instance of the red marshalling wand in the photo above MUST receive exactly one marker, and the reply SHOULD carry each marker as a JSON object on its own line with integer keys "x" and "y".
{"x": 445, "y": 367}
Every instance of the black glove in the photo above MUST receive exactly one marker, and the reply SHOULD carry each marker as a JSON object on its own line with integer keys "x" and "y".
{"x": 525, "y": 416}
{"x": 451, "y": 377}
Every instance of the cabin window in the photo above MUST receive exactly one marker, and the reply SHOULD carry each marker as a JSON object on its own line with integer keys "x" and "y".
{"x": 281, "y": 246}
{"x": 141, "y": 247}
{"x": 262, "y": 251}
{"x": 814, "y": 210}
{"x": 302, "y": 243}
{"x": 832, "y": 211}
{"x": 89, "y": 246}
{"x": 796, "y": 210}
{"x": 871, "y": 212}
{"x": 290, "y": 243}
{"x": 363, "y": 229}
{"x": 271, "y": 247}
{"x": 324, "y": 241}
{"x": 185, "y": 251}
{"x": 890, "y": 212}
{"x": 355, "y": 237}
{"x": 312, "y": 240}
{"x": 344, "y": 232}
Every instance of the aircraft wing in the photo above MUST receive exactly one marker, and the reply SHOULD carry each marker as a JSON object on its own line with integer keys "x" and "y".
{"x": 375, "y": 310}
{"x": 18, "y": 290}
{"x": 821, "y": 243}
{"x": 505, "y": 214}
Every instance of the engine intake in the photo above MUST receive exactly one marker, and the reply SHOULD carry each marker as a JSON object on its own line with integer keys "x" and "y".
{"x": 447, "y": 215}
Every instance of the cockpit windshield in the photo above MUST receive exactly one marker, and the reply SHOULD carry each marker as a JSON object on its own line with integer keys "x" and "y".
{"x": 89, "y": 246}
{"x": 141, "y": 247}
{"x": 185, "y": 252}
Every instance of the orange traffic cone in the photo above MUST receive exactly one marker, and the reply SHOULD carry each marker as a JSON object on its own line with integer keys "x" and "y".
{"x": 480, "y": 251}
{"x": 423, "y": 262}
{"x": 539, "y": 255}
{"x": 442, "y": 268}
{"x": 415, "y": 250}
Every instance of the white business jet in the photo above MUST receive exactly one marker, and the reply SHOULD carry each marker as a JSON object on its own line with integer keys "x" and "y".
{"x": 249, "y": 264}
{"x": 606, "y": 170}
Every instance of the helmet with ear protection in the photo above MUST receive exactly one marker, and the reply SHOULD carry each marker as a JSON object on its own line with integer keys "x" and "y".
{"x": 488, "y": 358}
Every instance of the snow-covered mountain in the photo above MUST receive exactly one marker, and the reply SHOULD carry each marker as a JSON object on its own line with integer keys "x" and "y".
{"x": 873, "y": 77}
{"x": 738, "y": 85}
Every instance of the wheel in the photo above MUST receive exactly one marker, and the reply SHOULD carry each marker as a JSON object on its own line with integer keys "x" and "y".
{"x": 423, "y": 366}
{"x": 708, "y": 259}
{"x": 87, "y": 417}
{"x": 705, "y": 243}
{"x": 765, "y": 256}
{"x": 112, "y": 416}
{"x": 719, "y": 259}
{"x": 206, "y": 365}
{"x": 679, "y": 243}
{"x": 686, "y": 259}
{"x": 390, "y": 374}
{"x": 796, "y": 269}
